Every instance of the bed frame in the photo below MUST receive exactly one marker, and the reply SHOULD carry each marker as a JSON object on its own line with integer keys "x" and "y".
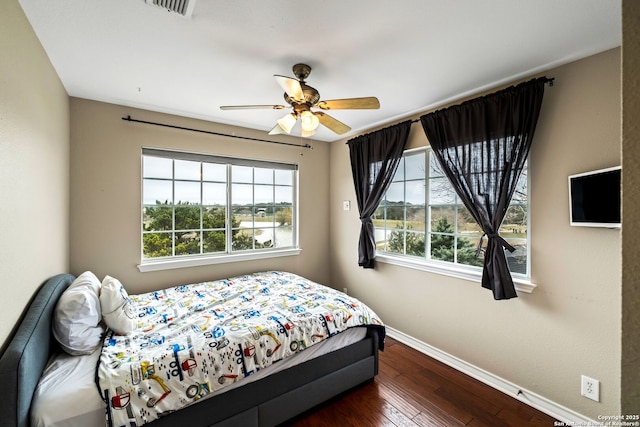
{"x": 267, "y": 402}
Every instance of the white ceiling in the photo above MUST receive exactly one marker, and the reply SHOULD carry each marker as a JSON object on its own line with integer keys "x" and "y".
{"x": 412, "y": 54}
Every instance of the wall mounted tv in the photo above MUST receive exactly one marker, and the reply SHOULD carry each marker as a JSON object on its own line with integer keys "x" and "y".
{"x": 594, "y": 198}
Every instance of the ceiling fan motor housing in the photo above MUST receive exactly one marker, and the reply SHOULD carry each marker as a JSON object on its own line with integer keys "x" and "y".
{"x": 311, "y": 96}
{"x": 301, "y": 71}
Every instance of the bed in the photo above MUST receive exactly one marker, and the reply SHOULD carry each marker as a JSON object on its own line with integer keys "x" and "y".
{"x": 280, "y": 391}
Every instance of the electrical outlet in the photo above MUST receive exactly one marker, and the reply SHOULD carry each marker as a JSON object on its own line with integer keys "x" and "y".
{"x": 345, "y": 291}
{"x": 590, "y": 388}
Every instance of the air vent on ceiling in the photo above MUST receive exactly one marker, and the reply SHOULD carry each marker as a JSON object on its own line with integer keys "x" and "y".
{"x": 181, "y": 7}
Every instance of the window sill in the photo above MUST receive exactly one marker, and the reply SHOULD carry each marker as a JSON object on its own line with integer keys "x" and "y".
{"x": 167, "y": 264}
{"x": 521, "y": 285}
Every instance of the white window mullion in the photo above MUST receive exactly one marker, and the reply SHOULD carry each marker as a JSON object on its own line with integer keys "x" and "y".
{"x": 455, "y": 230}
{"x": 229, "y": 212}
{"x": 253, "y": 208}
{"x": 201, "y": 232}
{"x": 427, "y": 204}
{"x": 173, "y": 208}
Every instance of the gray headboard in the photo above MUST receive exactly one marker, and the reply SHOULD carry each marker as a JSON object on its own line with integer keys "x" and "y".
{"x": 27, "y": 353}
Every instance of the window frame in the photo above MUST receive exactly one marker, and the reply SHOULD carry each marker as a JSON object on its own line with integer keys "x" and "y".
{"x": 229, "y": 255}
{"x": 521, "y": 281}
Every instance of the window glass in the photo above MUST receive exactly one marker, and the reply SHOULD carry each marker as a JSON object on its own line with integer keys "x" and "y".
{"x": 415, "y": 166}
{"x": 399, "y": 176}
{"x": 241, "y": 174}
{"x": 395, "y": 193}
{"x": 263, "y": 176}
{"x": 283, "y": 194}
{"x": 242, "y": 194}
{"x": 185, "y": 169}
{"x": 187, "y": 192}
{"x": 190, "y": 209}
{"x": 415, "y": 192}
{"x": 422, "y": 217}
{"x": 415, "y": 216}
{"x": 283, "y": 177}
{"x": 263, "y": 194}
{"x": 214, "y": 193}
{"x": 214, "y": 172}
{"x": 155, "y": 167}
{"x": 440, "y": 192}
{"x": 157, "y": 191}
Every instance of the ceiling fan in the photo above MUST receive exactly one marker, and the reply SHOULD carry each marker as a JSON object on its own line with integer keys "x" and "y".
{"x": 302, "y": 98}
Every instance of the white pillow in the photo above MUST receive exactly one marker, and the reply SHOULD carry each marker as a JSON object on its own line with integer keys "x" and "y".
{"x": 77, "y": 317}
{"x": 117, "y": 309}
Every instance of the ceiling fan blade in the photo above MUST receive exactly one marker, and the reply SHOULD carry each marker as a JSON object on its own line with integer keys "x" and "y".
{"x": 368, "y": 103}
{"x": 252, "y": 107}
{"x": 291, "y": 86}
{"x": 335, "y": 125}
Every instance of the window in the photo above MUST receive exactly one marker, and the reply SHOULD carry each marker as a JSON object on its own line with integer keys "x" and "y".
{"x": 205, "y": 206}
{"x": 422, "y": 218}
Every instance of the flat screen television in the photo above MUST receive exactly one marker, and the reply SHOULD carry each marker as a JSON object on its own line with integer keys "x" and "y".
{"x": 594, "y": 198}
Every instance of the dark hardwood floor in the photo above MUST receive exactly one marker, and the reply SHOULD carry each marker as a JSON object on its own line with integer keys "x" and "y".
{"x": 413, "y": 389}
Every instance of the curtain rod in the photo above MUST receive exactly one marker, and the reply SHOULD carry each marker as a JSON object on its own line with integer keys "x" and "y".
{"x": 547, "y": 80}
{"x": 129, "y": 119}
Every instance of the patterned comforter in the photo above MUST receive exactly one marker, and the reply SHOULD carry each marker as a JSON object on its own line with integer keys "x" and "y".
{"x": 194, "y": 340}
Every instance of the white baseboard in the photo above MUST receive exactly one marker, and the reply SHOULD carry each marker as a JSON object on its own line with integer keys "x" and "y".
{"x": 530, "y": 398}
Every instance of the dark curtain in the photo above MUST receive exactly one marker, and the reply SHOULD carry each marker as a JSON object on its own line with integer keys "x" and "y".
{"x": 482, "y": 146}
{"x": 374, "y": 160}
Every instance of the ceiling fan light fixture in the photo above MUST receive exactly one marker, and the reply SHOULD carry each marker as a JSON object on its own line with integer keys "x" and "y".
{"x": 287, "y": 122}
{"x": 309, "y": 121}
{"x": 276, "y": 130}
{"x": 307, "y": 133}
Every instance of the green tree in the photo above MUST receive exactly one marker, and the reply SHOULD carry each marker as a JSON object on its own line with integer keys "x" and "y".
{"x": 284, "y": 216}
{"x": 395, "y": 212}
{"x": 159, "y": 219}
{"x": 157, "y": 245}
{"x": 243, "y": 239}
{"x": 442, "y": 245}
{"x": 415, "y": 243}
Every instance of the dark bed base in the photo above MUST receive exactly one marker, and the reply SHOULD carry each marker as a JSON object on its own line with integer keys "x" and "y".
{"x": 267, "y": 402}
{"x": 280, "y": 397}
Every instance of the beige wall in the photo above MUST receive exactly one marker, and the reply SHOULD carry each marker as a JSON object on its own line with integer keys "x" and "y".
{"x": 570, "y": 324}
{"x": 106, "y": 182}
{"x": 34, "y": 162}
{"x": 631, "y": 183}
